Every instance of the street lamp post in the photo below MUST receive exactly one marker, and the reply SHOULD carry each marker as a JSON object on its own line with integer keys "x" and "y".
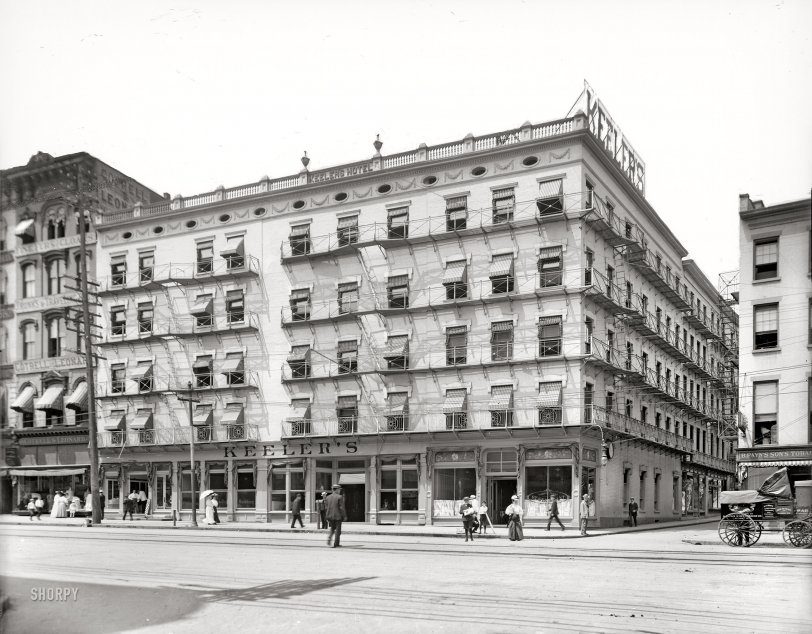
{"x": 191, "y": 399}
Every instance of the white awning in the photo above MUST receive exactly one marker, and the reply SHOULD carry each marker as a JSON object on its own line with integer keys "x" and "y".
{"x": 347, "y": 222}
{"x": 300, "y": 410}
{"x": 233, "y": 414}
{"x": 78, "y": 399}
{"x": 25, "y": 228}
{"x": 45, "y": 473}
{"x": 24, "y": 401}
{"x": 142, "y": 420}
{"x": 501, "y": 265}
{"x": 142, "y": 371}
{"x": 116, "y": 420}
{"x": 51, "y": 400}
{"x": 396, "y": 347}
{"x": 233, "y": 363}
{"x": 781, "y": 463}
{"x": 454, "y": 401}
{"x": 551, "y": 189}
{"x": 454, "y": 272}
{"x": 202, "y": 306}
{"x": 352, "y": 478}
{"x": 203, "y": 415}
{"x": 396, "y": 403}
{"x": 549, "y": 394}
{"x": 202, "y": 363}
{"x": 235, "y": 245}
{"x": 299, "y": 230}
{"x": 299, "y": 353}
{"x": 501, "y": 397}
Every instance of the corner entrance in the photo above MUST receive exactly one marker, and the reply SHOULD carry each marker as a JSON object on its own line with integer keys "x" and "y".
{"x": 498, "y": 497}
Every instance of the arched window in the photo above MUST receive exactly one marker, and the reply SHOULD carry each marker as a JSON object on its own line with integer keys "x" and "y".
{"x": 56, "y": 271}
{"x": 56, "y": 228}
{"x": 29, "y": 280}
{"x": 78, "y": 215}
{"x": 29, "y": 340}
{"x": 56, "y": 331}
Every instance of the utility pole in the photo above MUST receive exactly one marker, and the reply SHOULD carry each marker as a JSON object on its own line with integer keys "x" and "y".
{"x": 191, "y": 399}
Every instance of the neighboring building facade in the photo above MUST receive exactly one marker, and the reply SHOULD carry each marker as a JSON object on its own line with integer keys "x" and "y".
{"x": 43, "y": 396}
{"x": 465, "y": 318}
{"x": 775, "y": 296}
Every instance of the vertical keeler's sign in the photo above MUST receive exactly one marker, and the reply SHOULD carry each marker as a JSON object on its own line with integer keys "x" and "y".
{"x": 611, "y": 138}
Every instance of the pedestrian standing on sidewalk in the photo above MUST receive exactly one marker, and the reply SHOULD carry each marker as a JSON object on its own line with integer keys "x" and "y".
{"x": 336, "y": 514}
{"x": 554, "y": 512}
{"x": 215, "y": 503}
{"x": 321, "y": 509}
{"x": 73, "y": 507}
{"x": 514, "y": 514}
{"x": 483, "y": 517}
{"x": 39, "y": 504}
{"x": 102, "y": 501}
{"x": 298, "y": 504}
{"x": 467, "y": 512}
{"x": 633, "y": 508}
{"x": 584, "y": 513}
{"x": 32, "y": 509}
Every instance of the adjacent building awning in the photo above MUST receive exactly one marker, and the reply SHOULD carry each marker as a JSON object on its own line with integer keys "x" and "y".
{"x": 25, "y": 228}
{"x": 396, "y": 347}
{"x": 234, "y": 363}
{"x": 235, "y": 245}
{"x": 352, "y": 478}
{"x": 501, "y": 265}
{"x": 142, "y": 420}
{"x": 397, "y": 403}
{"x": 25, "y": 400}
{"x": 501, "y": 397}
{"x": 299, "y": 231}
{"x": 142, "y": 371}
{"x": 781, "y": 463}
{"x": 115, "y": 421}
{"x": 233, "y": 414}
{"x": 51, "y": 400}
{"x": 454, "y": 401}
{"x": 454, "y": 272}
{"x": 299, "y": 353}
{"x": 202, "y": 306}
{"x": 204, "y": 415}
{"x": 549, "y": 394}
{"x": 78, "y": 398}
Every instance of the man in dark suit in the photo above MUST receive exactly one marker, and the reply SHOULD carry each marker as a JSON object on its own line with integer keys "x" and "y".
{"x": 633, "y": 507}
{"x": 336, "y": 513}
{"x": 102, "y": 501}
{"x": 554, "y": 512}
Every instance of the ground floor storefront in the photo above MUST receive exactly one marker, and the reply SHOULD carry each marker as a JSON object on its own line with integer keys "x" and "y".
{"x": 417, "y": 479}
{"x": 756, "y": 464}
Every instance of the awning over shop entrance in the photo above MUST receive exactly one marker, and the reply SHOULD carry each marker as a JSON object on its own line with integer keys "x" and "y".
{"x": 46, "y": 472}
{"x": 352, "y": 478}
{"x": 782, "y": 463}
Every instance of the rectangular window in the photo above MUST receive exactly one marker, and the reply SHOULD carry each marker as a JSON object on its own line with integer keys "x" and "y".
{"x": 629, "y": 294}
{"x": 590, "y": 262}
{"x": 397, "y": 223}
{"x": 286, "y": 484}
{"x": 202, "y": 311}
{"x": 549, "y": 404}
{"x": 456, "y": 345}
{"x": 590, "y": 195}
{"x": 456, "y": 213}
{"x": 398, "y": 485}
{"x": 551, "y": 197}
{"x": 300, "y": 240}
{"x": 347, "y": 413}
{"x": 397, "y": 411}
{"x": 118, "y": 321}
{"x": 765, "y": 413}
{"x": 118, "y": 271}
{"x": 765, "y": 259}
{"x": 450, "y": 486}
{"x": 235, "y": 307}
{"x": 397, "y": 352}
{"x": 299, "y": 362}
{"x": 146, "y": 267}
{"x": 543, "y": 482}
{"x": 455, "y": 280}
{"x": 117, "y": 379}
{"x": 550, "y": 266}
{"x": 765, "y": 330}
{"x": 397, "y": 291}
{"x": 501, "y": 274}
{"x": 504, "y": 203}
{"x": 643, "y": 482}
{"x": 347, "y": 298}
{"x": 455, "y": 409}
{"x": 205, "y": 257}
{"x": 145, "y": 318}
{"x": 347, "y": 354}
{"x": 29, "y": 280}
{"x": 550, "y": 336}
{"x": 502, "y": 341}
{"x": 300, "y": 305}
{"x": 501, "y": 406}
{"x": 246, "y": 488}
{"x": 347, "y": 231}
{"x": 202, "y": 369}
{"x": 234, "y": 253}
{"x": 300, "y": 423}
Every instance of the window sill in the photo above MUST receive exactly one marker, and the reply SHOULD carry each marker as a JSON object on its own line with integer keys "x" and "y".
{"x": 767, "y": 350}
{"x": 767, "y": 280}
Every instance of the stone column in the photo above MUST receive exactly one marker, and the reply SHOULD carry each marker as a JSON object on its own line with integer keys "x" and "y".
{"x": 263, "y": 467}
{"x": 424, "y": 504}
{"x": 373, "y": 490}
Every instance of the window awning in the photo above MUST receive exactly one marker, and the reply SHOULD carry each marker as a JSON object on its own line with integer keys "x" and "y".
{"x": 25, "y": 228}
{"x": 551, "y": 189}
{"x": 550, "y": 252}
{"x": 116, "y": 420}
{"x": 397, "y": 280}
{"x": 24, "y": 403}
{"x": 501, "y": 397}
{"x": 202, "y": 306}
{"x": 234, "y": 363}
{"x": 352, "y": 478}
{"x": 501, "y": 265}
{"x": 299, "y": 353}
{"x": 347, "y": 222}
{"x": 51, "y": 400}
{"x": 300, "y": 410}
{"x": 203, "y": 415}
{"x": 549, "y": 394}
{"x": 347, "y": 346}
{"x": 347, "y": 402}
{"x": 454, "y": 401}
{"x": 142, "y": 420}
{"x": 235, "y": 245}
{"x": 398, "y": 212}
{"x": 396, "y": 347}
{"x": 78, "y": 398}
{"x": 299, "y": 230}
{"x": 45, "y": 473}
{"x": 549, "y": 321}
{"x": 453, "y": 331}
{"x": 397, "y": 403}
{"x": 456, "y": 203}
{"x": 233, "y": 414}
{"x": 502, "y": 326}
{"x": 202, "y": 363}
{"x": 142, "y": 371}
{"x": 454, "y": 272}
{"x": 300, "y": 293}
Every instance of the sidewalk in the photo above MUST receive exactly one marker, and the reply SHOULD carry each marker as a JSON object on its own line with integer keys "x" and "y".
{"x": 451, "y": 530}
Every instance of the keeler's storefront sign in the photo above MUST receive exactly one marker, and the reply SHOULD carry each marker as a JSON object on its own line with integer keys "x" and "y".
{"x": 292, "y": 449}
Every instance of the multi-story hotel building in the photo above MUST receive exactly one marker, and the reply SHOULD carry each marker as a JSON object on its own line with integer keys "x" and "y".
{"x": 43, "y": 387}
{"x": 775, "y": 295}
{"x": 468, "y": 318}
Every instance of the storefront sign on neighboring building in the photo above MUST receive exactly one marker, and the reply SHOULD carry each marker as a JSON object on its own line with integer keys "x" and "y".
{"x": 772, "y": 455}
{"x": 549, "y": 453}
{"x": 50, "y": 245}
{"x": 43, "y": 365}
{"x": 46, "y": 302}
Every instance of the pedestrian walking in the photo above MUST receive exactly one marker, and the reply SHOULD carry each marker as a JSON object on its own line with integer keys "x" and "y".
{"x": 39, "y": 505}
{"x": 102, "y": 501}
{"x": 468, "y": 515}
{"x": 210, "y": 509}
{"x": 553, "y": 513}
{"x": 32, "y": 509}
{"x": 514, "y": 514}
{"x": 215, "y": 504}
{"x": 322, "y": 509}
{"x": 128, "y": 507}
{"x": 633, "y": 508}
{"x": 584, "y": 513}
{"x": 336, "y": 514}
{"x": 296, "y": 510}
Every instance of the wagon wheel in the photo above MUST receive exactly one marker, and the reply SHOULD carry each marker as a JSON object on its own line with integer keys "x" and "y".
{"x": 738, "y": 529}
{"x": 798, "y": 533}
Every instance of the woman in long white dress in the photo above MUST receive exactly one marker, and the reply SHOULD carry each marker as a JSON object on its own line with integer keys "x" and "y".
{"x": 514, "y": 513}
{"x": 209, "y": 511}
{"x": 60, "y": 508}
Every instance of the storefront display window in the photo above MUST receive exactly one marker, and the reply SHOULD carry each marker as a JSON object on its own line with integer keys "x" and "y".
{"x": 218, "y": 482}
{"x": 186, "y": 489}
{"x": 246, "y": 488}
{"x": 588, "y": 481}
{"x": 398, "y": 484}
{"x": 286, "y": 482}
{"x": 541, "y": 483}
{"x": 112, "y": 493}
{"x": 450, "y": 486}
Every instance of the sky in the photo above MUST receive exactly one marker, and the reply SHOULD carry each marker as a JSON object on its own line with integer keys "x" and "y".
{"x": 714, "y": 95}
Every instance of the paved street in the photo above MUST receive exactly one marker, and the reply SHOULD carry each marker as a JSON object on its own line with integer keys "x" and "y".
{"x": 159, "y": 580}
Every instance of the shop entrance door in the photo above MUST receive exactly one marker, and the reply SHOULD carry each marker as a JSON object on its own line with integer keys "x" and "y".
{"x": 138, "y": 484}
{"x": 163, "y": 495}
{"x": 354, "y": 497}
{"x": 500, "y": 491}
